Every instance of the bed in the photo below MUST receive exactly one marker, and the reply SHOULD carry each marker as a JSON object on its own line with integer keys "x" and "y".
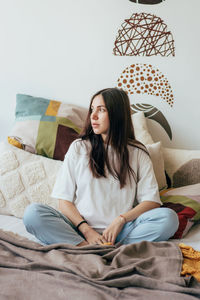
{"x": 29, "y": 270}
{"x": 60, "y": 271}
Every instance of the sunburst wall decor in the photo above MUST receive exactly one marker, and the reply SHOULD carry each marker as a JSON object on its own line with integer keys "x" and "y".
{"x": 151, "y": 112}
{"x": 147, "y": 1}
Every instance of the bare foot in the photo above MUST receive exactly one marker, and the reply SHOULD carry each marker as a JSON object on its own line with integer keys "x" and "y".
{"x": 84, "y": 243}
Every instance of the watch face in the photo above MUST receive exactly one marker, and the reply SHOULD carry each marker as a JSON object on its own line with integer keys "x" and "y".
{"x": 147, "y": 1}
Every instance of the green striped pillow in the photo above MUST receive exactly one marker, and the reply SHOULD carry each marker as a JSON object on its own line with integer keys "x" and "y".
{"x": 185, "y": 201}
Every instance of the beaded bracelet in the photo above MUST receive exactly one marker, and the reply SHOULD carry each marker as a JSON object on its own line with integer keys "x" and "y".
{"x": 84, "y": 221}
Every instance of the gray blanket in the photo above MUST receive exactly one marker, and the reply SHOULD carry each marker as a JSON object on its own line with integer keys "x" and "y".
{"x": 142, "y": 271}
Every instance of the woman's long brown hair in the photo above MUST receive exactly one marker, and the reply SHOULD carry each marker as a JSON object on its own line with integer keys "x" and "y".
{"x": 120, "y": 135}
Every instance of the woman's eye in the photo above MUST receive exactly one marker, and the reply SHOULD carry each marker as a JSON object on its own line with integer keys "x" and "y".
{"x": 100, "y": 109}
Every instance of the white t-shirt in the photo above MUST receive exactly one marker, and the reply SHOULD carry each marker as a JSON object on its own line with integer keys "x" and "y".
{"x": 100, "y": 200}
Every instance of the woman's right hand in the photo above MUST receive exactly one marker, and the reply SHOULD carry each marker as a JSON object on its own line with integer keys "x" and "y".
{"x": 91, "y": 236}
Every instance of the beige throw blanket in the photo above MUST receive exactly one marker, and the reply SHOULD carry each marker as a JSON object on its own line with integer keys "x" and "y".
{"x": 142, "y": 271}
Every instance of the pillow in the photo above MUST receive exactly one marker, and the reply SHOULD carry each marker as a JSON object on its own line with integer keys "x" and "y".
{"x": 142, "y": 134}
{"x": 25, "y": 178}
{"x": 185, "y": 201}
{"x": 155, "y": 153}
{"x": 182, "y": 166}
{"x": 140, "y": 128}
{"x": 46, "y": 127}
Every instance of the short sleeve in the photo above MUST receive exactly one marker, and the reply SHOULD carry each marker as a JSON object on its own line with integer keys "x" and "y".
{"x": 65, "y": 185}
{"x": 147, "y": 186}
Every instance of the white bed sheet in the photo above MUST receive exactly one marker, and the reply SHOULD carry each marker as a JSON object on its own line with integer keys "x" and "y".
{"x": 11, "y": 223}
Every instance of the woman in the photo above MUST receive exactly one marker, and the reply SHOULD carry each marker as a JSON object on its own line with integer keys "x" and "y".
{"x": 106, "y": 186}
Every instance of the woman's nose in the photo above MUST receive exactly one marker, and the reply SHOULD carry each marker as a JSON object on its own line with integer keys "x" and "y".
{"x": 94, "y": 115}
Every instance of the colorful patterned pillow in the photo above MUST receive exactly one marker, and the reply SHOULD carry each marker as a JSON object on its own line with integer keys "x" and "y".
{"x": 46, "y": 127}
{"x": 185, "y": 201}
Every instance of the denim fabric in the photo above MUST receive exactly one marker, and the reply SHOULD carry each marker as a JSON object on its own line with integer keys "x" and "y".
{"x": 50, "y": 226}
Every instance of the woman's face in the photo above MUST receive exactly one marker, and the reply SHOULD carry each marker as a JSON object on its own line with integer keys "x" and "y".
{"x": 99, "y": 117}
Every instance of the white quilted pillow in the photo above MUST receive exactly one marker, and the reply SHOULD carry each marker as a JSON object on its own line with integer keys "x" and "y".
{"x": 25, "y": 178}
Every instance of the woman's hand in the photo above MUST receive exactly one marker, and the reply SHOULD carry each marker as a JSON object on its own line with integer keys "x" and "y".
{"x": 111, "y": 232}
{"x": 92, "y": 237}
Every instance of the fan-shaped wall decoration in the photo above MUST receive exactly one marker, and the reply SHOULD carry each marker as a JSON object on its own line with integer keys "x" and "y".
{"x": 151, "y": 112}
{"x": 147, "y": 1}
{"x": 144, "y": 78}
{"x": 144, "y": 35}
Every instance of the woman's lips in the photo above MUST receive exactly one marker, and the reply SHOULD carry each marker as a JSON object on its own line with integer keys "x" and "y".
{"x": 95, "y": 125}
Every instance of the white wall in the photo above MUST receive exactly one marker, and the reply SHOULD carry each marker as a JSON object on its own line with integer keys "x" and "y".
{"x": 63, "y": 50}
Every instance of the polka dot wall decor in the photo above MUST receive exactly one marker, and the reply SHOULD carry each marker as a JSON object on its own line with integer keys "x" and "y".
{"x": 144, "y": 78}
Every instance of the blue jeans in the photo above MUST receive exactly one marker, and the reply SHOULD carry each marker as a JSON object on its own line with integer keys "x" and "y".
{"x": 50, "y": 226}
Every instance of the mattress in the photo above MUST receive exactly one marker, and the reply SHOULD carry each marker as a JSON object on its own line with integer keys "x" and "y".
{"x": 13, "y": 224}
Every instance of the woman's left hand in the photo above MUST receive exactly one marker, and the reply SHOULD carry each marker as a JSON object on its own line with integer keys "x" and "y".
{"x": 111, "y": 232}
